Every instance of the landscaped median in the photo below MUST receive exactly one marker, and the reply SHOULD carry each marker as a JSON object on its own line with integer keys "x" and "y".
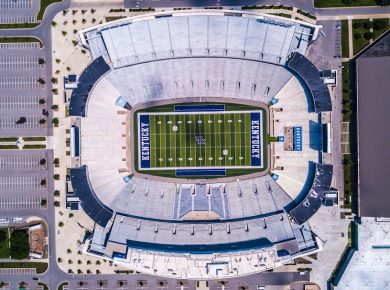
{"x": 365, "y": 31}
{"x": 347, "y": 3}
{"x": 20, "y": 39}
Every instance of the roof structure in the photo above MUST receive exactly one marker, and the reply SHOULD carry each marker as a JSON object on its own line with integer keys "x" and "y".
{"x": 373, "y": 86}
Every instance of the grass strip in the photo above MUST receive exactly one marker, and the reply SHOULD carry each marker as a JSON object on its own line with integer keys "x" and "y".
{"x": 39, "y": 266}
{"x": 34, "y": 138}
{"x": 34, "y": 146}
{"x": 8, "y": 147}
{"x": 23, "y": 39}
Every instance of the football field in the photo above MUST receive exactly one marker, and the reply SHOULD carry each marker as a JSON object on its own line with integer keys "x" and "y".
{"x": 200, "y": 139}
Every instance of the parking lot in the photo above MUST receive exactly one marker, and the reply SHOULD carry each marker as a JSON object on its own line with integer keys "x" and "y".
{"x": 18, "y": 271}
{"x": 20, "y": 183}
{"x": 19, "y": 103}
{"x": 15, "y": 162}
{"x": 21, "y": 203}
{"x": 20, "y": 62}
{"x": 10, "y": 123}
{"x": 21, "y": 87}
{"x": 18, "y": 11}
{"x": 19, "y": 46}
{"x": 20, "y": 83}
{"x": 15, "y": 5}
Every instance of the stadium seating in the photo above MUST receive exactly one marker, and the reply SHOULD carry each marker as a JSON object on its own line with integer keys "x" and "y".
{"x": 85, "y": 83}
{"x": 313, "y": 200}
{"x": 304, "y": 68}
{"x": 97, "y": 211}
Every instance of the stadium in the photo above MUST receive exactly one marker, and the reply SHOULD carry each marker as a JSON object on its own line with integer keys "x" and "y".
{"x": 201, "y": 142}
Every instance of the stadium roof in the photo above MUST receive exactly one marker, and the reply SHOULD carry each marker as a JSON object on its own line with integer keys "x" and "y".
{"x": 373, "y": 86}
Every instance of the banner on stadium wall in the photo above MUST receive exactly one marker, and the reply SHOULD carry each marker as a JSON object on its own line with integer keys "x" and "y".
{"x": 144, "y": 141}
{"x": 297, "y": 138}
{"x": 256, "y": 139}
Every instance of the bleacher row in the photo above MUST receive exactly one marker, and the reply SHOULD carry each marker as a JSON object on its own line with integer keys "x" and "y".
{"x": 201, "y": 198}
{"x": 194, "y": 237}
{"x": 186, "y": 34}
{"x": 85, "y": 83}
{"x": 313, "y": 200}
{"x": 304, "y": 68}
{"x": 96, "y": 210}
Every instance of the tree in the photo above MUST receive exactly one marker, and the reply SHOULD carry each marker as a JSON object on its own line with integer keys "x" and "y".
{"x": 21, "y": 120}
{"x": 41, "y": 60}
{"x": 41, "y": 81}
{"x": 56, "y": 193}
{"x": 55, "y": 122}
{"x": 368, "y": 25}
{"x": 3, "y": 235}
{"x": 54, "y": 107}
{"x": 54, "y": 24}
{"x": 56, "y": 161}
{"x": 368, "y": 35}
{"x": 43, "y": 182}
{"x": 56, "y": 177}
{"x": 20, "y": 247}
{"x": 42, "y": 121}
{"x": 380, "y": 24}
{"x": 44, "y": 202}
{"x": 56, "y": 203}
{"x": 42, "y": 101}
{"x": 60, "y": 224}
{"x": 382, "y": 2}
{"x": 42, "y": 162}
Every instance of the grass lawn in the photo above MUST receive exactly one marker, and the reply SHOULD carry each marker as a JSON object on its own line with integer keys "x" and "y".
{"x": 4, "y": 246}
{"x": 8, "y": 147}
{"x": 20, "y": 39}
{"x": 61, "y": 286}
{"x": 346, "y": 93}
{"x": 340, "y": 3}
{"x": 44, "y": 4}
{"x": 10, "y": 139}
{"x": 39, "y": 266}
{"x": 34, "y": 138}
{"x": 201, "y": 139}
{"x": 344, "y": 38}
{"x": 359, "y": 29}
{"x": 40, "y": 146}
{"x": 43, "y": 285}
{"x": 18, "y": 25}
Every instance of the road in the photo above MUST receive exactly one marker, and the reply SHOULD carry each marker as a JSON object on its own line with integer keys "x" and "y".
{"x": 55, "y": 275}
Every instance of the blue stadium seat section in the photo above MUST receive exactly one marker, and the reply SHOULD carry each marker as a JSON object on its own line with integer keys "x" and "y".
{"x": 304, "y": 68}
{"x": 200, "y": 108}
{"x": 93, "y": 72}
{"x": 96, "y": 210}
{"x": 313, "y": 201}
{"x": 202, "y": 248}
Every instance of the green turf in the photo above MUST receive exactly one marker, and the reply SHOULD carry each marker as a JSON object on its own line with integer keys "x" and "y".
{"x": 225, "y": 140}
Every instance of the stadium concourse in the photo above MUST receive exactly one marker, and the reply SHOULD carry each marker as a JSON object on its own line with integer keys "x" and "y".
{"x": 195, "y": 227}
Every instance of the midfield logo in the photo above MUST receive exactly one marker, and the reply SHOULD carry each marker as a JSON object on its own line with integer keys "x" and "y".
{"x": 200, "y": 140}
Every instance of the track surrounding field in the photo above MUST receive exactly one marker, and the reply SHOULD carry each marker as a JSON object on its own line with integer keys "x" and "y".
{"x": 224, "y": 139}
